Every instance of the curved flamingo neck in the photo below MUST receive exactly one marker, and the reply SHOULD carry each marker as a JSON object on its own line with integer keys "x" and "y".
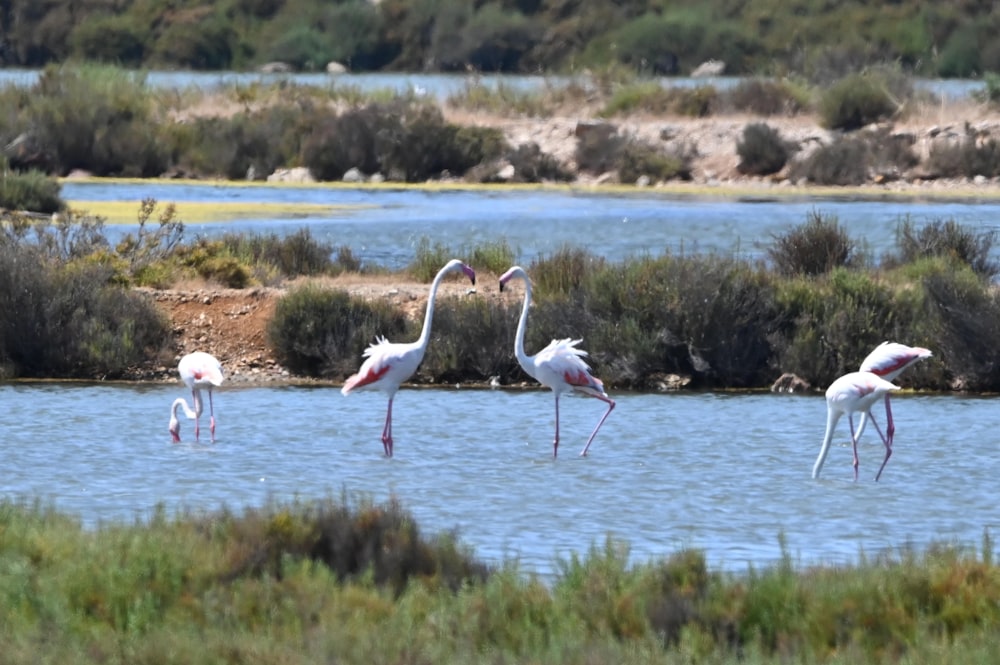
{"x": 181, "y": 402}
{"x": 425, "y": 334}
{"x": 522, "y": 324}
{"x": 832, "y": 417}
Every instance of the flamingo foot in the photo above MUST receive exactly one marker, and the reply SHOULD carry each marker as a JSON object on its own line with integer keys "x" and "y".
{"x": 387, "y": 445}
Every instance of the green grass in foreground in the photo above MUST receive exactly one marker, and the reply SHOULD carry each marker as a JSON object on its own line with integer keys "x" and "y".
{"x": 358, "y": 583}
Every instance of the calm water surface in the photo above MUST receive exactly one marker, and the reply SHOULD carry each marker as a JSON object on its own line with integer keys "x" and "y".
{"x": 385, "y": 227}
{"x": 728, "y": 474}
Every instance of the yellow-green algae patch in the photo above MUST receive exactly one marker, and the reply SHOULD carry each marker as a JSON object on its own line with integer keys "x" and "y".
{"x": 127, "y": 212}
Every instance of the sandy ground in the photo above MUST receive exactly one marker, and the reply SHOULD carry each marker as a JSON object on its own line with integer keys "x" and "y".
{"x": 231, "y": 324}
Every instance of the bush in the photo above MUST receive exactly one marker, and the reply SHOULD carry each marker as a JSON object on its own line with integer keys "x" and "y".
{"x": 322, "y": 332}
{"x": 71, "y": 321}
{"x": 950, "y": 240}
{"x": 814, "y": 248}
{"x": 598, "y": 147}
{"x": 639, "y": 159}
{"x": 293, "y": 255}
{"x": 32, "y": 191}
{"x": 832, "y": 323}
{"x": 965, "y": 158}
{"x": 97, "y": 119}
{"x": 532, "y": 165}
{"x": 844, "y": 162}
{"x": 856, "y": 101}
{"x": 766, "y": 98}
{"x": 762, "y": 150}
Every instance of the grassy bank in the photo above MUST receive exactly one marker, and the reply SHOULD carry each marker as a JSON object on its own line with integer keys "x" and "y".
{"x": 356, "y": 582}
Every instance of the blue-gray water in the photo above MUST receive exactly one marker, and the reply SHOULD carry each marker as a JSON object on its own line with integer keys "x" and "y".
{"x": 440, "y": 86}
{"x": 724, "y": 473}
{"x": 385, "y": 226}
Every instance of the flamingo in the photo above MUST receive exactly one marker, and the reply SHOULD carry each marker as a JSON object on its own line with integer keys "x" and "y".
{"x": 559, "y": 366}
{"x": 888, "y": 360}
{"x": 198, "y": 370}
{"x": 388, "y": 364}
{"x": 850, "y": 394}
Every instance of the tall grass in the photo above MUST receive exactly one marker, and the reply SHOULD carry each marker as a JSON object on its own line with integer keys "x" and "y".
{"x": 353, "y": 581}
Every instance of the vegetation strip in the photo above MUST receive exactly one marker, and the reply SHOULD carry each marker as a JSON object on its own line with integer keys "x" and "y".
{"x": 124, "y": 212}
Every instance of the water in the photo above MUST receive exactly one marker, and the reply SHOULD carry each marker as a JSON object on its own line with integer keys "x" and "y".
{"x": 727, "y": 474}
{"x": 440, "y": 86}
{"x": 385, "y": 226}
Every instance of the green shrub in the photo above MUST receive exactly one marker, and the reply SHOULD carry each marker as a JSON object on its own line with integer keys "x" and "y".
{"x": 32, "y": 191}
{"x": 833, "y": 322}
{"x": 532, "y": 165}
{"x": 950, "y": 240}
{"x": 965, "y": 158}
{"x": 201, "y": 38}
{"x": 292, "y": 255}
{"x": 114, "y": 39}
{"x": 473, "y": 339}
{"x": 323, "y": 332}
{"x": 844, "y": 162}
{"x": 765, "y": 97}
{"x": 72, "y": 322}
{"x": 761, "y": 150}
{"x": 97, "y": 119}
{"x": 598, "y": 148}
{"x": 639, "y": 159}
{"x": 855, "y": 101}
{"x": 965, "y": 319}
{"x": 814, "y": 248}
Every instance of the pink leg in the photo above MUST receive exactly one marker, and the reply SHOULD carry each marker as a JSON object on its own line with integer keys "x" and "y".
{"x": 890, "y": 428}
{"x": 196, "y": 401}
{"x": 888, "y": 449}
{"x": 387, "y": 431}
{"x": 854, "y": 442}
{"x": 611, "y": 405}
{"x": 555, "y": 443}
{"x": 211, "y": 416}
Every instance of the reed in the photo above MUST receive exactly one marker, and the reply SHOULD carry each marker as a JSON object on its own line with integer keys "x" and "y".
{"x": 354, "y": 581}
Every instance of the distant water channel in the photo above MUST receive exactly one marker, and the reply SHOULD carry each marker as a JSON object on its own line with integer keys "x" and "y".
{"x": 728, "y": 474}
{"x": 385, "y": 226}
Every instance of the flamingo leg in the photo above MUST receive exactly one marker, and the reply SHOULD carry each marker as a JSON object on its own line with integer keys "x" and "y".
{"x": 888, "y": 449}
{"x": 854, "y": 442}
{"x": 890, "y": 428}
{"x": 611, "y": 406}
{"x": 387, "y": 431}
{"x": 196, "y": 399}
{"x": 211, "y": 416}
{"x": 555, "y": 442}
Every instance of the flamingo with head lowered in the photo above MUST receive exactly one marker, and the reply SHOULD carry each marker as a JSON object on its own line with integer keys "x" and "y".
{"x": 559, "y": 366}
{"x": 198, "y": 370}
{"x": 388, "y": 364}
{"x": 853, "y": 393}
{"x": 888, "y": 360}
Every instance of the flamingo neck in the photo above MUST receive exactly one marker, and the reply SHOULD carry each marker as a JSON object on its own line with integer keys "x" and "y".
{"x": 522, "y": 325}
{"x": 425, "y": 333}
{"x": 831, "y": 424}
{"x": 181, "y": 402}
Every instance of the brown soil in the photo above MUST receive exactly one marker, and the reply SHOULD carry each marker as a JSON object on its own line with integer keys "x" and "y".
{"x": 231, "y": 324}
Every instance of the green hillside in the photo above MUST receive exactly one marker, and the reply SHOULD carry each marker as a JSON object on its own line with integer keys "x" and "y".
{"x": 815, "y": 38}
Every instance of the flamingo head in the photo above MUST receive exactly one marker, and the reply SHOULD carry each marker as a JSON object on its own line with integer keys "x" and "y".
{"x": 175, "y": 429}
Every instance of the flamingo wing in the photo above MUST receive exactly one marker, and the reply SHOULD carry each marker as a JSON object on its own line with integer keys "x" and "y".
{"x": 560, "y": 366}
{"x": 889, "y": 359}
{"x": 386, "y": 366}
{"x": 201, "y": 368}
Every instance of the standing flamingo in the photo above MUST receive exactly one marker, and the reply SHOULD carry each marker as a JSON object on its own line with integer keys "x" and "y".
{"x": 198, "y": 370}
{"x": 559, "y": 365}
{"x": 850, "y": 394}
{"x": 388, "y": 364}
{"x": 888, "y": 360}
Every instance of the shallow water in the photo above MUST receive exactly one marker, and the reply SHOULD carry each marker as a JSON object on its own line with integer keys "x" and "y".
{"x": 728, "y": 474}
{"x": 384, "y": 227}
